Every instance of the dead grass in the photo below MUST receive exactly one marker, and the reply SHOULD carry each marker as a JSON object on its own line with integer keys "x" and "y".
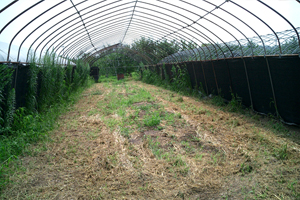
{"x": 103, "y": 151}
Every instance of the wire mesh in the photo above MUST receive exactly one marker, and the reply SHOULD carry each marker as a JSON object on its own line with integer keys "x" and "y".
{"x": 265, "y": 45}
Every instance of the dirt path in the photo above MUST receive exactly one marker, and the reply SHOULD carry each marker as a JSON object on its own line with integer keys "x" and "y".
{"x": 130, "y": 140}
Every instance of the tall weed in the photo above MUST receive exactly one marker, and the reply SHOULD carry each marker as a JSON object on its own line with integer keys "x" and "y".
{"x": 51, "y": 88}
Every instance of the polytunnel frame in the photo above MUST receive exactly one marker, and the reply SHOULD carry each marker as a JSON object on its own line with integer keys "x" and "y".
{"x": 67, "y": 33}
{"x": 133, "y": 12}
{"x": 188, "y": 25}
{"x": 264, "y": 23}
{"x": 182, "y": 29}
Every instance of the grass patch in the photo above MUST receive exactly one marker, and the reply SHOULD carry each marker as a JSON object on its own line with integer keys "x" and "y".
{"x": 137, "y": 141}
{"x": 152, "y": 120}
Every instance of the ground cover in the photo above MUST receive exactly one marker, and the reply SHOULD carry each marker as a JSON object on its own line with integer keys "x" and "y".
{"x": 131, "y": 140}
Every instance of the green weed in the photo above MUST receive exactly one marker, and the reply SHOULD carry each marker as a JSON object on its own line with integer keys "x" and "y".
{"x": 97, "y": 92}
{"x": 152, "y": 120}
{"x": 218, "y": 101}
{"x": 198, "y": 157}
{"x": 246, "y": 168}
{"x": 178, "y": 162}
{"x": 155, "y": 147}
{"x": 281, "y": 153}
{"x": 235, "y": 104}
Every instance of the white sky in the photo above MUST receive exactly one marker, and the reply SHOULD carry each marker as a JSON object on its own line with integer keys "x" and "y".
{"x": 107, "y": 22}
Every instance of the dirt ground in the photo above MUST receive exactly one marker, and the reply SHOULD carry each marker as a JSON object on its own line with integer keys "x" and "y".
{"x": 130, "y": 140}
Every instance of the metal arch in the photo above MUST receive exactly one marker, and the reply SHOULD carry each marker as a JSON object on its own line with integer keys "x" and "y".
{"x": 83, "y": 25}
{"x": 175, "y": 34}
{"x": 68, "y": 22}
{"x": 190, "y": 25}
{"x": 210, "y": 42}
{"x": 60, "y": 44}
{"x": 57, "y": 23}
{"x": 28, "y": 25}
{"x": 10, "y": 4}
{"x": 243, "y": 23}
{"x": 261, "y": 21}
{"x": 283, "y": 18}
{"x": 141, "y": 23}
{"x": 203, "y": 17}
{"x": 81, "y": 29}
{"x": 91, "y": 59}
{"x": 186, "y": 33}
{"x": 153, "y": 34}
{"x": 172, "y": 26}
{"x": 100, "y": 36}
{"x": 9, "y": 48}
{"x": 157, "y": 21}
{"x": 47, "y": 29}
{"x": 36, "y": 30}
{"x": 16, "y": 17}
{"x": 130, "y": 21}
{"x": 186, "y": 24}
{"x": 87, "y": 18}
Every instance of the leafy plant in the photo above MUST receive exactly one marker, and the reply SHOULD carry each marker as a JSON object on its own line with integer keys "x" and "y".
{"x": 31, "y": 101}
{"x": 282, "y": 152}
{"x": 152, "y": 120}
{"x": 180, "y": 79}
{"x": 10, "y": 108}
{"x": 218, "y": 101}
{"x": 246, "y": 168}
{"x": 235, "y": 104}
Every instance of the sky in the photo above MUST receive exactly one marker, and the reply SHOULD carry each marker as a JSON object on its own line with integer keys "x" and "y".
{"x": 107, "y": 22}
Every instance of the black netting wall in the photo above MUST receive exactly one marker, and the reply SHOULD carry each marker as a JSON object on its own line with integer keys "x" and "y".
{"x": 200, "y": 76}
{"x": 260, "y": 85}
{"x": 191, "y": 70}
{"x": 238, "y": 75}
{"x": 20, "y": 82}
{"x": 210, "y": 77}
{"x": 285, "y": 73}
{"x": 223, "y": 78}
{"x": 269, "y": 84}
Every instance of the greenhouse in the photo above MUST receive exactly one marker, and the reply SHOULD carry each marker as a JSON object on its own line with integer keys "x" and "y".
{"x": 241, "y": 56}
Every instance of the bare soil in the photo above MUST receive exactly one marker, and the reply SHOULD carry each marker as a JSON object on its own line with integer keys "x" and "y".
{"x": 198, "y": 151}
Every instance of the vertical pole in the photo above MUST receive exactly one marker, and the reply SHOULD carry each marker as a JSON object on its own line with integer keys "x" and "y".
{"x": 16, "y": 77}
{"x": 204, "y": 77}
{"x": 249, "y": 88}
{"x": 229, "y": 76}
{"x": 272, "y": 86}
{"x": 212, "y": 63}
{"x": 195, "y": 75}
